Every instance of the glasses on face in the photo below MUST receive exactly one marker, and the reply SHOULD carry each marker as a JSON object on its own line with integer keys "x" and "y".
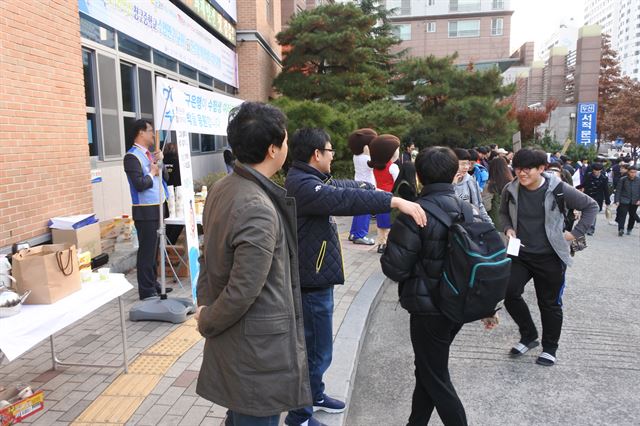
{"x": 525, "y": 170}
{"x": 331, "y": 150}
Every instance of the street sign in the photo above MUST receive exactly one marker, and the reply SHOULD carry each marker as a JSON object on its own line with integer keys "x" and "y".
{"x": 586, "y": 123}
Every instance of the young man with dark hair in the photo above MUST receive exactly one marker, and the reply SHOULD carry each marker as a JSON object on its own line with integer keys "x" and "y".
{"x": 411, "y": 249}
{"x": 628, "y": 199}
{"x": 143, "y": 175}
{"x": 596, "y": 185}
{"x": 529, "y": 211}
{"x": 249, "y": 304}
{"x": 318, "y": 197}
{"x": 466, "y": 186}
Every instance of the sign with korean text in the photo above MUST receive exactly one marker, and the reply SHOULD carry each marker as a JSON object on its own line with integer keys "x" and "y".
{"x": 228, "y": 6}
{"x": 192, "y": 109}
{"x": 586, "y": 123}
{"x": 189, "y": 209}
{"x": 211, "y": 16}
{"x": 163, "y": 26}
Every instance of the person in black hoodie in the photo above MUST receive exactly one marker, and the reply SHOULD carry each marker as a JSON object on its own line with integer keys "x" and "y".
{"x": 596, "y": 185}
{"x": 411, "y": 249}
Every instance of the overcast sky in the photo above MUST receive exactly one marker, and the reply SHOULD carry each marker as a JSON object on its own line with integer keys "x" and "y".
{"x": 536, "y": 20}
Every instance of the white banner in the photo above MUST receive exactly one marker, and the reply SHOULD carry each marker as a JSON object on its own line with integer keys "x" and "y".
{"x": 191, "y": 109}
{"x": 167, "y": 29}
{"x": 189, "y": 208}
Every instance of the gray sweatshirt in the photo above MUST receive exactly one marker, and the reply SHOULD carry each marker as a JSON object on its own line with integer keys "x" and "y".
{"x": 468, "y": 190}
{"x": 553, "y": 218}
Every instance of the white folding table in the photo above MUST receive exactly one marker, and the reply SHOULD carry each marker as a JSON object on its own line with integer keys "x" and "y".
{"x": 34, "y": 323}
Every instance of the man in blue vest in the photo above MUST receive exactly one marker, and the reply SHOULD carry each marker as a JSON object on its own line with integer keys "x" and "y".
{"x": 143, "y": 172}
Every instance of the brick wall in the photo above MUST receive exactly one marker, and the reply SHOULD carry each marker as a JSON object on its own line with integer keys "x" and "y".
{"x": 256, "y": 66}
{"x": 43, "y": 137}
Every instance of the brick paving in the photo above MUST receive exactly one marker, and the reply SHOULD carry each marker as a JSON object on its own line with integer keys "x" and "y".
{"x": 70, "y": 390}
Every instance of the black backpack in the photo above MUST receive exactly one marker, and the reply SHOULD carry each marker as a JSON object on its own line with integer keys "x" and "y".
{"x": 476, "y": 267}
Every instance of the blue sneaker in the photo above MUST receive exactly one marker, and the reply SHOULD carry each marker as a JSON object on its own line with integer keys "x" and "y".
{"x": 310, "y": 422}
{"x": 328, "y": 404}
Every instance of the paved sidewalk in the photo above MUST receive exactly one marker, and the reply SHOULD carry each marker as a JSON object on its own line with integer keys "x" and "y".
{"x": 595, "y": 382}
{"x": 172, "y": 401}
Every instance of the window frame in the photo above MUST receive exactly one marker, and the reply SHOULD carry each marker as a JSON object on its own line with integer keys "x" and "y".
{"x": 457, "y": 34}
{"x": 399, "y": 34}
{"x": 94, "y": 49}
{"x": 497, "y": 30}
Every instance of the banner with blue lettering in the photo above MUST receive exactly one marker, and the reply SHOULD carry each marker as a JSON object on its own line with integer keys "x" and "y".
{"x": 586, "y": 131}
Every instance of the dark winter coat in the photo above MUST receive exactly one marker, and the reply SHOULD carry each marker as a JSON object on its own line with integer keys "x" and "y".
{"x": 413, "y": 253}
{"x": 318, "y": 197}
{"x": 628, "y": 191}
{"x": 597, "y": 187}
{"x": 254, "y": 360}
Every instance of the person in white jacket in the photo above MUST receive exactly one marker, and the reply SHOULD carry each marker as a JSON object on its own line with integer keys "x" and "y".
{"x": 359, "y": 145}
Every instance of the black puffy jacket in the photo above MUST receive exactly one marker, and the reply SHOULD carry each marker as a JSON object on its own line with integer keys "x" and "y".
{"x": 318, "y": 197}
{"x": 408, "y": 245}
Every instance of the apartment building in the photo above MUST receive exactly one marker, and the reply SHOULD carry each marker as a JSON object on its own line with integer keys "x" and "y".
{"x": 478, "y": 30}
{"x": 621, "y": 20}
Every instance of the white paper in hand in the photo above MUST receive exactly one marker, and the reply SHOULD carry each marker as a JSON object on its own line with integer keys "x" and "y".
{"x": 513, "y": 248}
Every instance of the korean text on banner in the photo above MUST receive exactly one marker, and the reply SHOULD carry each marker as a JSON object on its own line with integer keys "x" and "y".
{"x": 192, "y": 109}
{"x": 586, "y": 131}
{"x": 166, "y": 28}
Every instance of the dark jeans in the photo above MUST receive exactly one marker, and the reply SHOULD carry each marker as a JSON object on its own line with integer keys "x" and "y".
{"x": 317, "y": 310}
{"x": 547, "y": 271}
{"x": 360, "y": 226}
{"x": 237, "y": 419}
{"x": 146, "y": 258}
{"x": 621, "y": 215}
{"x": 431, "y": 337}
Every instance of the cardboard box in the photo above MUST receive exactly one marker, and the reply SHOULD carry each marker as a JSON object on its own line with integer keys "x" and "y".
{"x": 86, "y": 238}
{"x": 20, "y": 409}
{"x": 51, "y": 272}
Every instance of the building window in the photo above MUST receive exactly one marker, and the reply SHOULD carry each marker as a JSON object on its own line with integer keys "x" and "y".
{"x": 165, "y": 61}
{"x": 88, "y": 65}
{"x": 498, "y": 4}
{"x": 108, "y": 95}
{"x": 431, "y": 27}
{"x": 187, "y": 71}
{"x": 402, "y": 31}
{"x": 399, "y": 7}
{"x": 464, "y": 5}
{"x": 468, "y": 28}
{"x": 94, "y": 31}
{"x": 497, "y": 26}
{"x": 132, "y": 47}
{"x": 432, "y": 2}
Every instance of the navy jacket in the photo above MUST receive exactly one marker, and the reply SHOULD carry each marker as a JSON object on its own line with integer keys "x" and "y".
{"x": 597, "y": 187}
{"x": 318, "y": 197}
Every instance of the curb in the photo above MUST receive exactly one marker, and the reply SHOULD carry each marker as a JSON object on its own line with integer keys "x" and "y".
{"x": 347, "y": 345}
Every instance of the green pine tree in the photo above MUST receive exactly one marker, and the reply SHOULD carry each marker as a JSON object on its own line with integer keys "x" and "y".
{"x": 337, "y": 53}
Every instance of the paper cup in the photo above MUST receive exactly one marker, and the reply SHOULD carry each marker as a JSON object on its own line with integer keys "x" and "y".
{"x": 104, "y": 273}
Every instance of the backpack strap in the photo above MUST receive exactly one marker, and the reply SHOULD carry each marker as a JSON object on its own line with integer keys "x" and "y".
{"x": 442, "y": 216}
{"x": 558, "y": 194}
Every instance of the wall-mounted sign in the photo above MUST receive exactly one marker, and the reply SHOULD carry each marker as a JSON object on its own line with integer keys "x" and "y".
{"x": 586, "y": 123}
{"x": 211, "y": 16}
{"x": 192, "y": 109}
{"x": 228, "y": 6}
{"x": 167, "y": 29}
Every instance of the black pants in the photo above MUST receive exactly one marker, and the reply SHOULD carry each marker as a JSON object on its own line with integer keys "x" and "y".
{"x": 431, "y": 337}
{"x": 598, "y": 198}
{"x": 621, "y": 215}
{"x": 147, "y": 254}
{"x": 547, "y": 271}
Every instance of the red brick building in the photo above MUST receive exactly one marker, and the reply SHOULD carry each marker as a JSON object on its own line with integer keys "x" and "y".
{"x": 74, "y": 76}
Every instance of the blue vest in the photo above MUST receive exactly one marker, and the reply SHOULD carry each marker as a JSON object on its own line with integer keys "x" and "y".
{"x": 148, "y": 197}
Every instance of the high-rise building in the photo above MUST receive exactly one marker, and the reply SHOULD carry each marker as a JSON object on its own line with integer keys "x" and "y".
{"x": 621, "y": 20}
{"x": 478, "y": 30}
{"x": 291, "y": 7}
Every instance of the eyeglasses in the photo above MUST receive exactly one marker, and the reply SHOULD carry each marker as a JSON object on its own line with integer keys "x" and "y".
{"x": 525, "y": 170}
{"x": 331, "y": 150}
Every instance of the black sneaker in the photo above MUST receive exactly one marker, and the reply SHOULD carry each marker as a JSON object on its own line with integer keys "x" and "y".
{"x": 381, "y": 248}
{"x": 628, "y": 231}
{"x": 328, "y": 404}
{"x": 620, "y": 232}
